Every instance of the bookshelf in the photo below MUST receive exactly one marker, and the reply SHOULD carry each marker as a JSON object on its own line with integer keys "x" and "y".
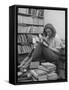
{"x": 30, "y": 24}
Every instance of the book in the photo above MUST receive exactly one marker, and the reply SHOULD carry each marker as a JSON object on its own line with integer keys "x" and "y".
{"x": 22, "y": 10}
{"x": 34, "y": 65}
{"x": 37, "y": 72}
{"x": 52, "y": 76}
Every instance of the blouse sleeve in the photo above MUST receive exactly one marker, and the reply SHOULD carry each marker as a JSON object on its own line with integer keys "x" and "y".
{"x": 56, "y": 43}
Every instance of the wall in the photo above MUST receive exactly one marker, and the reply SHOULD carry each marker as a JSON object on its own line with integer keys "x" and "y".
{"x": 57, "y": 18}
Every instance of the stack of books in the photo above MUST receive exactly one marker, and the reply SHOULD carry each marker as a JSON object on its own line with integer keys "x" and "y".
{"x": 51, "y": 73}
{"x": 45, "y": 71}
{"x": 34, "y": 65}
{"x": 49, "y": 66}
{"x": 52, "y": 76}
{"x": 39, "y": 74}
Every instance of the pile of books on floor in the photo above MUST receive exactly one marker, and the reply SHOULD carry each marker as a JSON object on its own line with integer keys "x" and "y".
{"x": 45, "y": 71}
{"x": 24, "y": 77}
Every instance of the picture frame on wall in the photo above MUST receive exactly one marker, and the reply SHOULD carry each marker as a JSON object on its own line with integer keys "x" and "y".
{"x": 37, "y": 44}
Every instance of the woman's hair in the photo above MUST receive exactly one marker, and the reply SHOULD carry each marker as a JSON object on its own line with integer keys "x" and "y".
{"x": 51, "y": 27}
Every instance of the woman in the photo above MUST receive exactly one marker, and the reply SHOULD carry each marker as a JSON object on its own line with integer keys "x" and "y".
{"x": 48, "y": 44}
{"x": 48, "y": 47}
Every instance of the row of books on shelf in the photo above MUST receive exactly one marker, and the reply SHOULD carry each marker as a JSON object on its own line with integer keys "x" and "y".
{"x": 30, "y": 29}
{"x": 24, "y": 49}
{"x": 23, "y": 10}
{"x": 24, "y": 39}
{"x": 31, "y": 11}
{"x": 30, "y": 20}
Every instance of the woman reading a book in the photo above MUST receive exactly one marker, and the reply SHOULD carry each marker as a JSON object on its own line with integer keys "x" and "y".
{"x": 48, "y": 47}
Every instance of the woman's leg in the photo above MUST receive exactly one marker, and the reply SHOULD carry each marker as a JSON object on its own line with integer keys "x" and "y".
{"x": 52, "y": 57}
{"x": 49, "y": 54}
{"x": 37, "y": 52}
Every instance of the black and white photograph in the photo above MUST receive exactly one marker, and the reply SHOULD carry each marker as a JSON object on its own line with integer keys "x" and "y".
{"x": 41, "y": 44}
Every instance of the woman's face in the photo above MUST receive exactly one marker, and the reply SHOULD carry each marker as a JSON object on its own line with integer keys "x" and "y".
{"x": 49, "y": 32}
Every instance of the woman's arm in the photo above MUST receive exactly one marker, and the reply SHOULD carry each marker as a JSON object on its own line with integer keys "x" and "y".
{"x": 43, "y": 40}
{"x": 54, "y": 49}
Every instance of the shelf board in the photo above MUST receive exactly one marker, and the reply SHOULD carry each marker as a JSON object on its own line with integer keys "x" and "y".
{"x": 23, "y": 53}
{"x": 29, "y": 33}
{"x": 24, "y": 44}
{"x": 29, "y": 15}
{"x": 25, "y": 25}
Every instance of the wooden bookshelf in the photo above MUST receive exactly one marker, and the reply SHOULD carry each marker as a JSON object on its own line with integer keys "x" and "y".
{"x": 28, "y": 15}
{"x": 26, "y": 25}
{"x": 30, "y": 22}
